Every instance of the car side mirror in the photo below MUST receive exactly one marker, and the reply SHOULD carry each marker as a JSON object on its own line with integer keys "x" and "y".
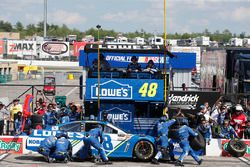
{"x": 121, "y": 134}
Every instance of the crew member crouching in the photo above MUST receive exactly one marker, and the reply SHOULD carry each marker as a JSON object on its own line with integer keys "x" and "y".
{"x": 63, "y": 148}
{"x": 47, "y": 147}
{"x": 92, "y": 139}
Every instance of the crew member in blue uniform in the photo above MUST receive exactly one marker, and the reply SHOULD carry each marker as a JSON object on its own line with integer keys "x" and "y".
{"x": 47, "y": 147}
{"x": 162, "y": 131}
{"x": 183, "y": 134}
{"x": 227, "y": 131}
{"x": 50, "y": 117}
{"x": 205, "y": 129}
{"x": 74, "y": 115}
{"x": 63, "y": 148}
{"x": 92, "y": 138}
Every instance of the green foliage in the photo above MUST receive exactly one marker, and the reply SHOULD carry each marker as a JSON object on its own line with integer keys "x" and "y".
{"x": 63, "y": 30}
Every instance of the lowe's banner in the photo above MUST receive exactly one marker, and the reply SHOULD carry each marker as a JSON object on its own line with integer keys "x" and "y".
{"x": 125, "y": 89}
{"x": 121, "y": 60}
{"x": 122, "y": 115}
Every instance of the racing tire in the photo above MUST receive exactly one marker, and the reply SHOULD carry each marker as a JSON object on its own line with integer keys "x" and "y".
{"x": 198, "y": 142}
{"x": 173, "y": 134}
{"x": 236, "y": 148}
{"x": 144, "y": 150}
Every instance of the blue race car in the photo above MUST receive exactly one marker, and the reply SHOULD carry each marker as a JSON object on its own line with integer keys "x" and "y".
{"x": 117, "y": 143}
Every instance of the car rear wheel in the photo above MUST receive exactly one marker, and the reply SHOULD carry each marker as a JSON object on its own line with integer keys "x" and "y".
{"x": 144, "y": 150}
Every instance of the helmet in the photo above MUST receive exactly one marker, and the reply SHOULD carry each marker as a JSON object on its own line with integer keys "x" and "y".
{"x": 62, "y": 134}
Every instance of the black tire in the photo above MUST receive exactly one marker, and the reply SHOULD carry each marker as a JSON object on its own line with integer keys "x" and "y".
{"x": 198, "y": 142}
{"x": 173, "y": 134}
{"x": 236, "y": 148}
{"x": 144, "y": 150}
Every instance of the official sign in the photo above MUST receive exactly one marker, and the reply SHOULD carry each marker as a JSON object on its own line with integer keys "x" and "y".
{"x": 125, "y": 89}
{"x": 21, "y": 48}
{"x": 121, "y": 60}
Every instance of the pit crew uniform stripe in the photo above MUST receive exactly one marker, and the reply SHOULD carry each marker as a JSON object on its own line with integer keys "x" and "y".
{"x": 119, "y": 145}
{"x": 75, "y": 142}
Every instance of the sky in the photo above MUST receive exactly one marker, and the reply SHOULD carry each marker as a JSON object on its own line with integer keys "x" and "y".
{"x": 182, "y": 16}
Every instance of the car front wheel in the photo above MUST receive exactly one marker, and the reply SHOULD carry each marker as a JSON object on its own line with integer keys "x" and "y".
{"x": 144, "y": 150}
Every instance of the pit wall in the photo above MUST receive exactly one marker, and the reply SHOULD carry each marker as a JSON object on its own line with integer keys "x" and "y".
{"x": 17, "y": 145}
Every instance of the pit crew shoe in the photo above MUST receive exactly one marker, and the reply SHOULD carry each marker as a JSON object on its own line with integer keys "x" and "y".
{"x": 200, "y": 162}
{"x": 173, "y": 159}
{"x": 108, "y": 162}
{"x": 155, "y": 161}
{"x": 50, "y": 160}
{"x": 179, "y": 163}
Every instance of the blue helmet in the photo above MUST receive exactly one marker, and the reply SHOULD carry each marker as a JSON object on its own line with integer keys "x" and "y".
{"x": 62, "y": 134}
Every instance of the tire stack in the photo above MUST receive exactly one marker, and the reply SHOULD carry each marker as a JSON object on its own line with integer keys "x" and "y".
{"x": 236, "y": 148}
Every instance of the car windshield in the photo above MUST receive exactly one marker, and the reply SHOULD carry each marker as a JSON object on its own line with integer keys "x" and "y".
{"x": 106, "y": 128}
{"x": 71, "y": 127}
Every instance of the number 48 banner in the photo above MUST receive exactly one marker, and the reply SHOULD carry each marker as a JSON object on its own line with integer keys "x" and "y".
{"x": 125, "y": 89}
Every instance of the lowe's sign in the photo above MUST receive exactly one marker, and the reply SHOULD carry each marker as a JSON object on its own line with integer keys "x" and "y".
{"x": 125, "y": 89}
{"x": 112, "y": 89}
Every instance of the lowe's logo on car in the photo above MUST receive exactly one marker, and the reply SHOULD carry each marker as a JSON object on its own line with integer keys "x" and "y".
{"x": 112, "y": 90}
{"x": 45, "y": 133}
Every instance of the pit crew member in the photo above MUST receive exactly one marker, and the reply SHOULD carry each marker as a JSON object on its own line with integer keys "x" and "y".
{"x": 162, "y": 131}
{"x": 183, "y": 134}
{"x": 92, "y": 139}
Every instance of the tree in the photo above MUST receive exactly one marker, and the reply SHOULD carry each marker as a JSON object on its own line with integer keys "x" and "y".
{"x": 31, "y": 29}
{"x": 242, "y": 34}
{"x": 19, "y": 26}
{"x": 5, "y": 26}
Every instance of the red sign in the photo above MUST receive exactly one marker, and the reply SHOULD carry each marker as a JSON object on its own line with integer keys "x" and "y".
{"x": 78, "y": 46}
{"x": 1, "y": 47}
{"x": 11, "y": 145}
{"x": 224, "y": 144}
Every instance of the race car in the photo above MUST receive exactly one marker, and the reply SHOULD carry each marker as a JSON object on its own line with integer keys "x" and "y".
{"x": 117, "y": 143}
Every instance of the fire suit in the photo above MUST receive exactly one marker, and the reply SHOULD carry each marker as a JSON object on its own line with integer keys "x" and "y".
{"x": 46, "y": 147}
{"x": 92, "y": 139}
{"x": 183, "y": 134}
{"x": 63, "y": 149}
{"x": 74, "y": 116}
{"x": 162, "y": 131}
{"x": 50, "y": 118}
{"x": 238, "y": 123}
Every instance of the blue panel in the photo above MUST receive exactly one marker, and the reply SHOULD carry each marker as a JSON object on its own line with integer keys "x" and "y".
{"x": 125, "y": 89}
{"x": 121, "y": 60}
